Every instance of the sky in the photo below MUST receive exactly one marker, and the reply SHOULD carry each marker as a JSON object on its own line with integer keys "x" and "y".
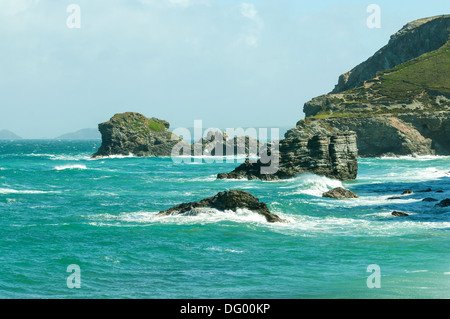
{"x": 231, "y": 64}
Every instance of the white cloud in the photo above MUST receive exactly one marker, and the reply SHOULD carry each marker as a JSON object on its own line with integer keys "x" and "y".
{"x": 176, "y": 3}
{"x": 13, "y": 7}
{"x": 182, "y": 3}
{"x": 248, "y": 10}
{"x": 251, "y": 32}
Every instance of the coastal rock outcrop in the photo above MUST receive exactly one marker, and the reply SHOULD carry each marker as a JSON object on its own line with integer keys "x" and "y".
{"x": 334, "y": 156}
{"x": 218, "y": 143}
{"x": 133, "y": 133}
{"x": 227, "y": 200}
{"x": 398, "y": 101}
{"x": 399, "y": 214}
{"x": 339, "y": 193}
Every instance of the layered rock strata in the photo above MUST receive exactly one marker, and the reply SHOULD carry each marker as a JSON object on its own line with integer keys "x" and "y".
{"x": 334, "y": 156}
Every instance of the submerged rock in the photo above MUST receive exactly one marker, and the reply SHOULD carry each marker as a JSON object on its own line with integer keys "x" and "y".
{"x": 407, "y": 192}
{"x": 339, "y": 193}
{"x": 399, "y": 214}
{"x": 429, "y": 199}
{"x": 227, "y": 200}
{"x": 444, "y": 203}
{"x": 425, "y": 190}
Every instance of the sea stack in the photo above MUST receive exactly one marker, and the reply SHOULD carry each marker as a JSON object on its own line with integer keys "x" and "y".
{"x": 331, "y": 155}
{"x": 133, "y": 133}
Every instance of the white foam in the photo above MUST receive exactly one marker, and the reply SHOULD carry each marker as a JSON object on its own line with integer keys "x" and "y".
{"x": 65, "y": 167}
{"x": 415, "y": 157}
{"x": 202, "y": 216}
{"x": 70, "y": 157}
{"x": 428, "y": 173}
{"x": 41, "y": 155}
{"x": 314, "y": 185}
{"x": 218, "y": 249}
{"x": 131, "y": 155}
{"x": 14, "y": 191}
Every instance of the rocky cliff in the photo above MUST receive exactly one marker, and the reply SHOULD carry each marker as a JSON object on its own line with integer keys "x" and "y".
{"x": 413, "y": 40}
{"x": 398, "y": 101}
{"x": 332, "y": 155}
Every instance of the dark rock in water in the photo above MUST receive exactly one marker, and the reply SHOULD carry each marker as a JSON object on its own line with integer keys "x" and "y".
{"x": 425, "y": 190}
{"x": 228, "y": 200}
{"x": 394, "y": 197}
{"x": 133, "y": 133}
{"x": 339, "y": 193}
{"x": 333, "y": 156}
{"x": 247, "y": 170}
{"x": 444, "y": 203}
{"x": 429, "y": 199}
{"x": 439, "y": 191}
{"x": 408, "y": 191}
{"x": 399, "y": 214}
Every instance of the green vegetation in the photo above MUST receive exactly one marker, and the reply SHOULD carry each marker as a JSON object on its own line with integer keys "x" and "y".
{"x": 411, "y": 87}
{"x": 138, "y": 122}
{"x": 155, "y": 126}
{"x": 426, "y": 74}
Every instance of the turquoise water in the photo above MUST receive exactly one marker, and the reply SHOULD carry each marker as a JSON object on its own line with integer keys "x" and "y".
{"x": 59, "y": 207}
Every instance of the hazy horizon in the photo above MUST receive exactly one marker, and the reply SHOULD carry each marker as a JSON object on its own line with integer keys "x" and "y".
{"x": 227, "y": 63}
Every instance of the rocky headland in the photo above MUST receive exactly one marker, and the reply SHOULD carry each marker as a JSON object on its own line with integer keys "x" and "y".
{"x": 398, "y": 100}
{"x": 8, "y": 135}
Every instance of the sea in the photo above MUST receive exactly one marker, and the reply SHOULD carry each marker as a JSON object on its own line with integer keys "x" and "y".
{"x": 76, "y": 227}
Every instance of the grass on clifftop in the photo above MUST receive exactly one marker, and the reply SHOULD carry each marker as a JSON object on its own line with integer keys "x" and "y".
{"x": 428, "y": 73}
{"x": 393, "y": 91}
{"x": 138, "y": 122}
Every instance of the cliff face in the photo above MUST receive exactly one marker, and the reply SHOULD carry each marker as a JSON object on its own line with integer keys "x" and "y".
{"x": 332, "y": 155}
{"x": 398, "y": 101}
{"x": 379, "y": 135}
{"x": 133, "y": 133}
{"x": 413, "y": 40}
